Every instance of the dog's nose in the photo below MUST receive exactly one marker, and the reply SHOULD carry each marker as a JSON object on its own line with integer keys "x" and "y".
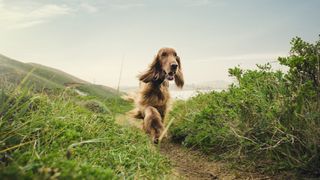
{"x": 174, "y": 66}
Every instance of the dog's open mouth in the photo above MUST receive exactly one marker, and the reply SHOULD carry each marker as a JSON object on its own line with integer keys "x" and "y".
{"x": 170, "y": 76}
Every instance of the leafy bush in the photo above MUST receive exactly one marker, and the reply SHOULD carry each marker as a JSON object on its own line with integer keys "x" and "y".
{"x": 48, "y": 137}
{"x": 96, "y": 106}
{"x": 268, "y": 118}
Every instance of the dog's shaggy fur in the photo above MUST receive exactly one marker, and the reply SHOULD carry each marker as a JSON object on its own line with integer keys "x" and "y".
{"x": 153, "y": 98}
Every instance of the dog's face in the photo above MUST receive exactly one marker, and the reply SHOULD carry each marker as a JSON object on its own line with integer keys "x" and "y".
{"x": 169, "y": 61}
{"x": 166, "y": 65}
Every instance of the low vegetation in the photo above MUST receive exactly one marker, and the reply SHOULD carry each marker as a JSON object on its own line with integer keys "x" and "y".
{"x": 67, "y": 136}
{"x": 268, "y": 119}
{"x": 55, "y": 126}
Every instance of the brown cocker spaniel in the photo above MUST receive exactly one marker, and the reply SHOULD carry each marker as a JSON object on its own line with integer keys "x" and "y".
{"x": 153, "y": 98}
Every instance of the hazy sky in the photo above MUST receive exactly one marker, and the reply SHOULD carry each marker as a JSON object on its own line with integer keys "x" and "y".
{"x": 88, "y": 38}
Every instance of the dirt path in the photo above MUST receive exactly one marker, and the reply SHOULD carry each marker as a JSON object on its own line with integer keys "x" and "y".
{"x": 188, "y": 164}
{"x": 191, "y": 164}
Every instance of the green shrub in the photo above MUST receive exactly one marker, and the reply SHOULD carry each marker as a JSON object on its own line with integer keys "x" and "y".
{"x": 96, "y": 106}
{"x": 269, "y": 119}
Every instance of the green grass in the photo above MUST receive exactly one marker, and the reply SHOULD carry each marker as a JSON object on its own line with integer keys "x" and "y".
{"x": 54, "y": 136}
{"x": 254, "y": 125}
{"x": 268, "y": 120}
{"x": 50, "y": 131}
{"x": 245, "y": 128}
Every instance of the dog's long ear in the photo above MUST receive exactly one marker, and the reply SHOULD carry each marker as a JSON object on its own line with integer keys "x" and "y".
{"x": 179, "y": 75}
{"x": 154, "y": 73}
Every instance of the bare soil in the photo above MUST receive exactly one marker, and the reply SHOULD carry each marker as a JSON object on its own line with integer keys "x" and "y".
{"x": 191, "y": 164}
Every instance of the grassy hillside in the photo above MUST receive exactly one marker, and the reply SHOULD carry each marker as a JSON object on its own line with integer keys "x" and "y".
{"x": 52, "y": 136}
{"x": 268, "y": 120}
{"x": 42, "y": 77}
{"x": 54, "y": 125}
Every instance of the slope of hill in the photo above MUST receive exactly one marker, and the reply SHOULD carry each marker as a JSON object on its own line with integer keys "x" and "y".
{"x": 66, "y": 136}
{"x": 42, "y": 77}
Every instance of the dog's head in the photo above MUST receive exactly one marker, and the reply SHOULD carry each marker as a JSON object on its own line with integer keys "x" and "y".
{"x": 165, "y": 66}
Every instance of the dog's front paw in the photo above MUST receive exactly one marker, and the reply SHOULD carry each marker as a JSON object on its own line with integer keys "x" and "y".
{"x": 156, "y": 140}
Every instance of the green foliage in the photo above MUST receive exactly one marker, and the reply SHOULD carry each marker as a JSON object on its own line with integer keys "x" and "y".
{"x": 96, "y": 106}
{"x": 56, "y": 126}
{"x": 112, "y": 105}
{"x": 268, "y": 119}
{"x": 304, "y": 63}
{"x": 51, "y": 136}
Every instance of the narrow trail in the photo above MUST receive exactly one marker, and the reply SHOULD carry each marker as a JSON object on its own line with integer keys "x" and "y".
{"x": 191, "y": 164}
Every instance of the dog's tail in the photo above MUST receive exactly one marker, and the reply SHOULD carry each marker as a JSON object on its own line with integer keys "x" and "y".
{"x": 131, "y": 97}
{"x": 136, "y": 113}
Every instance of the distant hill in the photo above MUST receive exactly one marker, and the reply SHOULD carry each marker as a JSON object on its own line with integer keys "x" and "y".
{"x": 43, "y": 77}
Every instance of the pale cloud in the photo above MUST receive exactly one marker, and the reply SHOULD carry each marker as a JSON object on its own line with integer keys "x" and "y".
{"x": 89, "y": 8}
{"x": 199, "y": 2}
{"x": 16, "y": 17}
{"x": 195, "y": 3}
{"x": 26, "y": 14}
{"x": 127, "y": 4}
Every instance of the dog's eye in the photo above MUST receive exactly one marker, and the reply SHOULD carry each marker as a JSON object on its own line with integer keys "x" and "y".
{"x": 175, "y": 54}
{"x": 164, "y": 54}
